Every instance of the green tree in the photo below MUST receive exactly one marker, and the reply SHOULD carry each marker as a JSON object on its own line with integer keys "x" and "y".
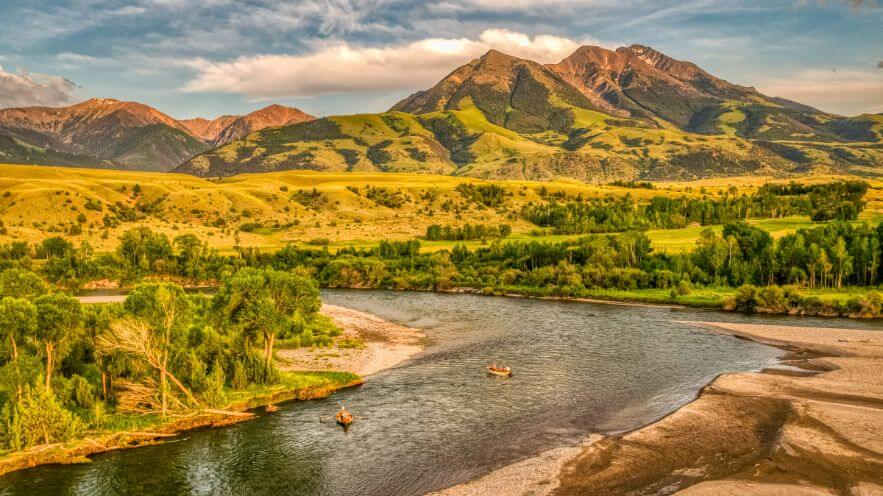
{"x": 21, "y": 283}
{"x": 841, "y": 261}
{"x": 59, "y": 321}
{"x": 264, "y": 303}
{"x": 166, "y": 312}
{"x": 711, "y": 253}
{"x": 144, "y": 251}
{"x": 18, "y": 319}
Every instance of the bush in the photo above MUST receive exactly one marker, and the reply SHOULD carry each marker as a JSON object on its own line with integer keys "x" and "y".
{"x": 40, "y": 419}
{"x": 684, "y": 287}
{"x": 869, "y": 304}
{"x": 771, "y": 299}
{"x": 745, "y": 299}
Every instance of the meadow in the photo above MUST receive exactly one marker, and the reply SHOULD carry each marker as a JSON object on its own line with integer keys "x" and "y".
{"x": 271, "y": 210}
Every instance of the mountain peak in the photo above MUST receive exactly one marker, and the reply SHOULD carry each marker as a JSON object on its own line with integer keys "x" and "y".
{"x": 270, "y": 116}
{"x": 101, "y": 101}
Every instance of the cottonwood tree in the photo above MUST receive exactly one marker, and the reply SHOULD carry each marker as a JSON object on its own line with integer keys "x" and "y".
{"x": 59, "y": 321}
{"x": 161, "y": 318}
{"x": 841, "y": 260}
{"x": 137, "y": 338}
{"x": 265, "y": 303}
{"x": 20, "y": 283}
{"x": 18, "y": 319}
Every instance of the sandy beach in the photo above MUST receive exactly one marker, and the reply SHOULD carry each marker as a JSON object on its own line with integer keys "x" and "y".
{"x": 815, "y": 430}
{"x": 385, "y": 345}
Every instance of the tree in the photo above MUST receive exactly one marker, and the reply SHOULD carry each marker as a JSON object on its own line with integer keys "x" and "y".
{"x": 711, "y": 253}
{"x": 822, "y": 265}
{"x": 265, "y": 302}
{"x": 55, "y": 246}
{"x": 18, "y": 318}
{"x": 142, "y": 250}
{"x": 191, "y": 255}
{"x": 162, "y": 315}
{"x": 20, "y": 283}
{"x": 841, "y": 260}
{"x": 135, "y": 337}
{"x": 59, "y": 320}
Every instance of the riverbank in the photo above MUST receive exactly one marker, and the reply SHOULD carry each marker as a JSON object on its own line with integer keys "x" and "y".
{"x": 383, "y": 345}
{"x": 386, "y": 345}
{"x": 816, "y": 429}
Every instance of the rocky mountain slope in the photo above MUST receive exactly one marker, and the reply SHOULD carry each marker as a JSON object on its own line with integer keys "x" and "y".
{"x": 598, "y": 115}
{"x": 124, "y": 135}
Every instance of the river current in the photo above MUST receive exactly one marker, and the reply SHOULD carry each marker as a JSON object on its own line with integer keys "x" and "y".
{"x": 439, "y": 419}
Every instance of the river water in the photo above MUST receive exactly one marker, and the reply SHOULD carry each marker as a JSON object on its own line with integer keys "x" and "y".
{"x": 438, "y": 419}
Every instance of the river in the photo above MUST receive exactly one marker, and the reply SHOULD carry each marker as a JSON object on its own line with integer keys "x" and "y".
{"x": 438, "y": 419}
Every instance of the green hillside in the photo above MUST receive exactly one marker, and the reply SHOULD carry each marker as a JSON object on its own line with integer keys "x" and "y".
{"x": 597, "y": 147}
{"x": 15, "y": 150}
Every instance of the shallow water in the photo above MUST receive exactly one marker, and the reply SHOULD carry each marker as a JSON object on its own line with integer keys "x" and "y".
{"x": 439, "y": 419}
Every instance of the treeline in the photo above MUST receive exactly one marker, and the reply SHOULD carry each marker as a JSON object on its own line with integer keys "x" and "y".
{"x": 466, "y": 232}
{"x": 66, "y": 368}
{"x": 831, "y": 201}
{"x": 831, "y": 255}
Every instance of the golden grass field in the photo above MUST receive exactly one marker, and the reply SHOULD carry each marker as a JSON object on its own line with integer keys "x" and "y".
{"x": 38, "y": 201}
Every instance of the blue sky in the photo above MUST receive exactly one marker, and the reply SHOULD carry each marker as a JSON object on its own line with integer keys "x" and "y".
{"x": 212, "y": 57}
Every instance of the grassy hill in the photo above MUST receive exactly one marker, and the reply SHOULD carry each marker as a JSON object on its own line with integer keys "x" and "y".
{"x": 271, "y": 210}
{"x": 463, "y": 142}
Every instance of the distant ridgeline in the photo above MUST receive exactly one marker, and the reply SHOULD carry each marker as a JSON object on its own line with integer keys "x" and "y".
{"x": 575, "y": 215}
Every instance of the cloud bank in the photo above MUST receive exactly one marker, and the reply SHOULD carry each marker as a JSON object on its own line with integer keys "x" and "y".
{"x": 850, "y": 92}
{"x": 24, "y": 89}
{"x": 346, "y": 68}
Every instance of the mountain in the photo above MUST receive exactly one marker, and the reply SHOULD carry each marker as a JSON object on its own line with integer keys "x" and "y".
{"x": 208, "y": 130}
{"x": 227, "y": 128}
{"x": 15, "y": 150}
{"x": 110, "y": 133}
{"x": 638, "y": 81}
{"x": 514, "y": 93}
{"x": 598, "y": 115}
{"x": 272, "y": 116}
{"x": 127, "y": 135}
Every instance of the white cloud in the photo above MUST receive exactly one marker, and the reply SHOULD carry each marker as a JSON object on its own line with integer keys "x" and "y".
{"x": 70, "y": 59}
{"x": 847, "y": 92}
{"x": 24, "y": 89}
{"x": 344, "y": 68}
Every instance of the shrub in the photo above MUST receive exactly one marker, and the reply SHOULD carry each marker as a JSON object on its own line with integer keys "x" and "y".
{"x": 745, "y": 299}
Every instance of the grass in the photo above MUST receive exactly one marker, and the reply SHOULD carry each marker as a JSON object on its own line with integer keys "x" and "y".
{"x": 37, "y": 202}
{"x": 704, "y": 297}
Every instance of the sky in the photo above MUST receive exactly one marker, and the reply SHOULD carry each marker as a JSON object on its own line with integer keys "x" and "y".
{"x": 212, "y": 57}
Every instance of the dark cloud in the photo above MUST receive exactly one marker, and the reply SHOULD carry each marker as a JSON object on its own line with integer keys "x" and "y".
{"x": 22, "y": 88}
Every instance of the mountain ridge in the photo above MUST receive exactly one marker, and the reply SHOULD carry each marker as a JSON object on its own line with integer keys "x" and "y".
{"x": 110, "y": 133}
{"x": 598, "y": 115}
